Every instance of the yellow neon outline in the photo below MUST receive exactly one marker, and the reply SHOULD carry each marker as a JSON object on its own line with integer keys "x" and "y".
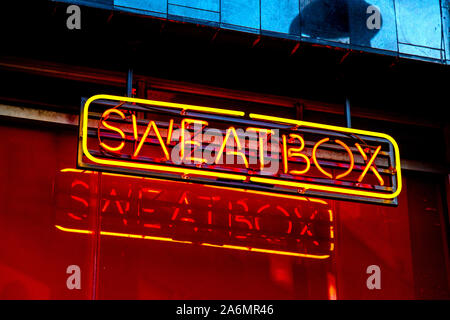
{"x": 138, "y": 236}
{"x": 241, "y": 177}
{"x": 334, "y": 189}
{"x": 151, "y": 166}
{"x": 72, "y": 170}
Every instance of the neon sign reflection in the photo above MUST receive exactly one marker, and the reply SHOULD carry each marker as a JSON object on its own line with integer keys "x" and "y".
{"x": 180, "y": 212}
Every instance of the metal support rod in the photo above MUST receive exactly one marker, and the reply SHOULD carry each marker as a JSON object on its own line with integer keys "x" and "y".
{"x": 299, "y": 108}
{"x": 348, "y": 116}
{"x": 130, "y": 83}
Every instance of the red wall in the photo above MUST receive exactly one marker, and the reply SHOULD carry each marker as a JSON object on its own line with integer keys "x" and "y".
{"x": 36, "y": 196}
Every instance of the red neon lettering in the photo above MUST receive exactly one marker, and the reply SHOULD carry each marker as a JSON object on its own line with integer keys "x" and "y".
{"x": 150, "y": 125}
{"x": 369, "y": 164}
{"x": 110, "y": 127}
{"x": 79, "y": 199}
{"x": 315, "y": 158}
{"x": 295, "y": 152}
{"x": 289, "y": 153}
{"x": 352, "y": 160}
{"x": 374, "y": 170}
{"x": 184, "y": 199}
{"x": 238, "y": 145}
{"x": 329, "y": 175}
{"x": 281, "y": 209}
{"x": 236, "y": 222}
{"x": 261, "y": 145}
{"x": 118, "y": 205}
{"x": 240, "y": 218}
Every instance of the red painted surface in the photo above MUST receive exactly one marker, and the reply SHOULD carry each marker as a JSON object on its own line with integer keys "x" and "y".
{"x": 406, "y": 242}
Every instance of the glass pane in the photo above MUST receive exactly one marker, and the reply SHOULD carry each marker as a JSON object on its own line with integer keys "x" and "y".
{"x": 419, "y": 51}
{"x": 373, "y": 235}
{"x": 172, "y": 240}
{"x": 158, "y": 243}
{"x": 37, "y": 203}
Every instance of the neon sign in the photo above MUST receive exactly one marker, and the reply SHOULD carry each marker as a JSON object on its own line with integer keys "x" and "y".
{"x": 236, "y": 149}
{"x": 173, "y": 212}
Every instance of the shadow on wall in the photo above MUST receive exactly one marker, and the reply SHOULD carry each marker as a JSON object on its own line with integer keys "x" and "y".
{"x": 336, "y": 19}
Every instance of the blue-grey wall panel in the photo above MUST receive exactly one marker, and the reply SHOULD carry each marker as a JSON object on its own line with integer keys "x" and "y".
{"x": 325, "y": 20}
{"x": 416, "y": 28}
{"x": 386, "y": 37}
{"x": 420, "y": 51}
{"x": 280, "y": 16}
{"x": 243, "y": 13}
{"x": 372, "y": 24}
{"x": 419, "y": 24}
{"x": 159, "y": 6}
